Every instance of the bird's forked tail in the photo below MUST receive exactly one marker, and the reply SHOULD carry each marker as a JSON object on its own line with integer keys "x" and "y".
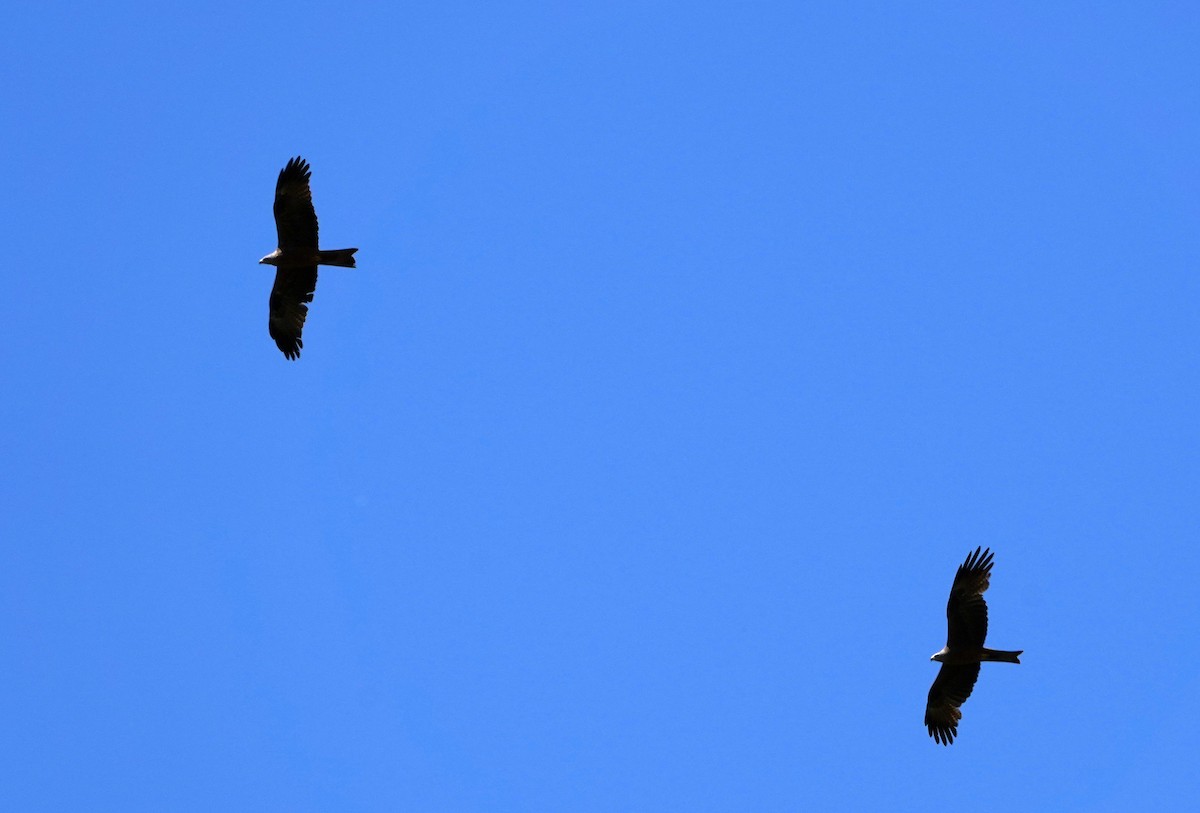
{"x": 1003, "y": 655}
{"x": 338, "y": 256}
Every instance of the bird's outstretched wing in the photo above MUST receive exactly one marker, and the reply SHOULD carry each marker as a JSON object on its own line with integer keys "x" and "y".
{"x": 950, "y": 690}
{"x": 966, "y": 611}
{"x": 295, "y": 218}
{"x": 293, "y": 290}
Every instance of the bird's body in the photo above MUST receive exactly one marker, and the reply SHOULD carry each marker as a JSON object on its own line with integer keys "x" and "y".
{"x": 306, "y": 258}
{"x": 966, "y": 622}
{"x": 297, "y": 256}
{"x": 958, "y": 657}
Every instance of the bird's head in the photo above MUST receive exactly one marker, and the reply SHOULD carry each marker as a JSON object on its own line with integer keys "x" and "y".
{"x": 940, "y": 655}
{"x": 270, "y": 259}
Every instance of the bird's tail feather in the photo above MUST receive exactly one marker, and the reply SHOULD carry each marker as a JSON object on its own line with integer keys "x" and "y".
{"x": 338, "y": 256}
{"x": 1003, "y": 655}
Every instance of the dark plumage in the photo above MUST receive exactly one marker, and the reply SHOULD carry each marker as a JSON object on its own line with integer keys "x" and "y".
{"x": 966, "y": 629}
{"x": 297, "y": 256}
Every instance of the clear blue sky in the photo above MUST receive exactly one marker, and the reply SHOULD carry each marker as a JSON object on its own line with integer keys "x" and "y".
{"x": 691, "y": 348}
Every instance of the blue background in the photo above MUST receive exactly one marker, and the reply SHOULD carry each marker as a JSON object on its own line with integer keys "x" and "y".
{"x": 692, "y": 347}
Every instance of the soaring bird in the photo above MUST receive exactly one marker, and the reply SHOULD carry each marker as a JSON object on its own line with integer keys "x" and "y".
{"x": 297, "y": 256}
{"x": 966, "y": 622}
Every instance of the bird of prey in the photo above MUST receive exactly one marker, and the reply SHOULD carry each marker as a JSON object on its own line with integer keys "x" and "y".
{"x": 297, "y": 257}
{"x": 966, "y": 622}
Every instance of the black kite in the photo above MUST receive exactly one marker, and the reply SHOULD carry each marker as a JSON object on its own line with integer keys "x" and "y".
{"x": 966, "y": 622}
{"x": 297, "y": 256}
